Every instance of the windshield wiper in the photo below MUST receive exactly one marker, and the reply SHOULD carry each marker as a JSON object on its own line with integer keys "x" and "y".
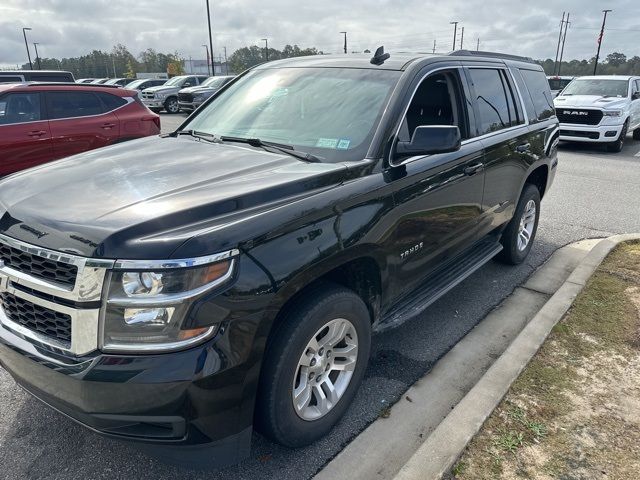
{"x": 196, "y": 134}
{"x": 281, "y": 147}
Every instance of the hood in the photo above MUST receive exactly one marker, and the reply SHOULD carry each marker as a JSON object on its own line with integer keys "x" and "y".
{"x": 596, "y": 101}
{"x": 195, "y": 90}
{"x": 131, "y": 200}
{"x": 162, "y": 88}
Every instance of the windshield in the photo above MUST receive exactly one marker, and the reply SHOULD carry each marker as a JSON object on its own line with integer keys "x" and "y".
{"x": 600, "y": 87}
{"x": 328, "y": 112}
{"x": 213, "y": 82}
{"x": 175, "y": 81}
{"x": 558, "y": 83}
{"x": 135, "y": 83}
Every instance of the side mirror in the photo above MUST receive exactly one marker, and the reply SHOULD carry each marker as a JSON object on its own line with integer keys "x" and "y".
{"x": 186, "y": 84}
{"x": 428, "y": 140}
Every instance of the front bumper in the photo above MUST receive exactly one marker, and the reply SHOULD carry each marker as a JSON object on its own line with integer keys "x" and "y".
{"x": 590, "y": 133}
{"x": 189, "y": 105}
{"x": 180, "y": 401}
{"x": 153, "y": 103}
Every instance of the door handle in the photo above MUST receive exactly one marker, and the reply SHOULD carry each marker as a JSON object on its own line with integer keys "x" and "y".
{"x": 108, "y": 125}
{"x": 37, "y": 133}
{"x": 473, "y": 169}
{"x": 523, "y": 148}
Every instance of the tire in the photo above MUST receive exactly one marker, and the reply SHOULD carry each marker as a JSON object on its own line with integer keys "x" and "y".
{"x": 155, "y": 110}
{"x": 636, "y": 134}
{"x": 283, "y": 373}
{"x": 616, "y": 147}
{"x": 171, "y": 105}
{"x": 512, "y": 239}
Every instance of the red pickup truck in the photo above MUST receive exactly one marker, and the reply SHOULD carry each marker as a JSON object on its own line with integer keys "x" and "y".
{"x": 40, "y": 122}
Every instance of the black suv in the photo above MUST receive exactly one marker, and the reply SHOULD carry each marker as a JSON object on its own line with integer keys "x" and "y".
{"x": 178, "y": 290}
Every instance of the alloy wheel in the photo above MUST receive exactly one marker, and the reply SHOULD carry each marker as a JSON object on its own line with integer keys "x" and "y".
{"x": 527, "y": 223}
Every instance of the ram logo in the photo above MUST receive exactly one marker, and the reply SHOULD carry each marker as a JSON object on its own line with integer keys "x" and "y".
{"x": 574, "y": 112}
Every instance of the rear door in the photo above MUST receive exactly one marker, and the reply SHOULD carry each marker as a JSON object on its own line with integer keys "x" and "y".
{"x": 506, "y": 140}
{"x": 79, "y": 121}
{"x": 25, "y": 138}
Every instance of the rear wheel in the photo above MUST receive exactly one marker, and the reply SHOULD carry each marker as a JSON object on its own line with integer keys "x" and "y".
{"x": 636, "y": 134}
{"x": 616, "y": 146}
{"x": 517, "y": 238}
{"x": 171, "y": 105}
{"x": 314, "y": 366}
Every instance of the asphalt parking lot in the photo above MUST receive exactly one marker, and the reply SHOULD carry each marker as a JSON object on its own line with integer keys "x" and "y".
{"x": 595, "y": 194}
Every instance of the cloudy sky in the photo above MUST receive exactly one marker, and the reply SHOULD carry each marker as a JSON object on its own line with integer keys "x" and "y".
{"x": 65, "y": 28}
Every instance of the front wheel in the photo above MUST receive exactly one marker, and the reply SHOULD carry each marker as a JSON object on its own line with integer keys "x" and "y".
{"x": 314, "y": 366}
{"x": 171, "y": 105}
{"x": 517, "y": 238}
{"x": 616, "y": 146}
{"x": 636, "y": 134}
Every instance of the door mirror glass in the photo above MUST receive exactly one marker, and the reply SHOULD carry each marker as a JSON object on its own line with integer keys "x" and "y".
{"x": 428, "y": 140}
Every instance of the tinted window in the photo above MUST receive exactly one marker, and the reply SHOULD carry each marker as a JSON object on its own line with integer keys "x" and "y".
{"x": 73, "y": 104}
{"x": 49, "y": 77}
{"x": 111, "y": 101}
{"x": 156, "y": 83}
{"x": 526, "y": 97}
{"x": 192, "y": 81}
{"x": 491, "y": 99}
{"x": 19, "y": 108}
{"x": 8, "y": 79}
{"x": 538, "y": 87}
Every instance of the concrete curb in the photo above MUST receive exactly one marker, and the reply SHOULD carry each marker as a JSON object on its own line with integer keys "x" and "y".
{"x": 440, "y": 450}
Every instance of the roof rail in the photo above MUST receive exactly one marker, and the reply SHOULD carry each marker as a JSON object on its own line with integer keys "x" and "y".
{"x": 503, "y": 56}
{"x": 69, "y": 84}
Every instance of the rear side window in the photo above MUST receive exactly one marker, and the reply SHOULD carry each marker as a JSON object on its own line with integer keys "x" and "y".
{"x": 494, "y": 99}
{"x": 73, "y": 104}
{"x": 538, "y": 87}
{"x": 19, "y": 108}
{"x": 111, "y": 101}
{"x": 9, "y": 79}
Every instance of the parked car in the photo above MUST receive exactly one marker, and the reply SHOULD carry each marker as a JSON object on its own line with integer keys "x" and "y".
{"x": 142, "y": 83}
{"x": 85, "y": 80}
{"x": 99, "y": 81}
{"x": 18, "y": 76}
{"x": 166, "y": 96}
{"x": 40, "y": 122}
{"x": 192, "y": 97}
{"x": 119, "y": 81}
{"x": 557, "y": 84}
{"x": 232, "y": 273}
{"x": 600, "y": 109}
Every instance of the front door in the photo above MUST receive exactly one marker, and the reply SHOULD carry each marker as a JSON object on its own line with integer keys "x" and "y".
{"x": 438, "y": 197}
{"x": 25, "y": 138}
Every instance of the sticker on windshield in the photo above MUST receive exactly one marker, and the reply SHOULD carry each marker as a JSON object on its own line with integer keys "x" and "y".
{"x": 327, "y": 143}
{"x": 343, "y": 144}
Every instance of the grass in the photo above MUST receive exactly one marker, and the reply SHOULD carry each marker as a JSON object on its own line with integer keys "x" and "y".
{"x": 562, "y": 417}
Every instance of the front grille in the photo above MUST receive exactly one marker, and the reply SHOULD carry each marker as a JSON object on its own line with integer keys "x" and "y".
{"x": 37, "y": 318}
{"x": 577, "y": 133}
{"x": 185, "y": 97}
{"x": 148, "y": 95}
{"x": 579, "y": 116}
{"x": 62, "y": 273}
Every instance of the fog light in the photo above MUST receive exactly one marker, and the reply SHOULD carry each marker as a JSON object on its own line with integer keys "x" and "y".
{"x": 148, "y": 316}
{"x": 611, "y": 133}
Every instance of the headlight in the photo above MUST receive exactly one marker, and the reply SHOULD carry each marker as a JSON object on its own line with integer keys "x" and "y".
{"x": 612, "y": 113}
{"x": 160, "y": 95}
{"x": 198, "y": 97}
{"x": 146, "y": 309}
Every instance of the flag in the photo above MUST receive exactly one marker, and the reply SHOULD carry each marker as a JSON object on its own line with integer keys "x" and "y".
{"x": 600, "y": 37}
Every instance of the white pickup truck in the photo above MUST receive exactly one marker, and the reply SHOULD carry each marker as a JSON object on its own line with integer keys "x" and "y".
{"x": 601, "y": 109}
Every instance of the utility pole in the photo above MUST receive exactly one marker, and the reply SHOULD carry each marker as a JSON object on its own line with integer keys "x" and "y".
{"x": 24, "y": 32}
{"x": 555, "y": 65}
{"x": 213, "y": 70}
{"x": 455, "y": 32}
{"x": 462, "y": 39}
{"x": 113, "y": 61}
{"x": 434, "y": 46}
{"x": 345, "y": 41}
{"x": 190, "y": 65}
{"x": 226, "y": 64}
{"x": 35, "y": 45}
{"x": 604, "y": 21}
{"x": 266, "y": 48}
{"x": 564, "y": 39}
{"x": 478, "y": 45}
{"x": 207, "y": 49}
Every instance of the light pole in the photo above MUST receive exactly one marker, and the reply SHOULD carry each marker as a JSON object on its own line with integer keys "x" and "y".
{"x": 345, "y": 41}
{"x": 35, "y": 45}
{"x": 266, "y": 48}
{"x": 207, "y": 49}
{"x": 24, "y": 32}
{"x": 213, "y": 67}
{"x": 455, "y": 32}
{"x": 604, "y": 21}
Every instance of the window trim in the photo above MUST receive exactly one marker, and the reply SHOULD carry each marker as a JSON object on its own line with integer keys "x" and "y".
{"x": 128, "y": 99}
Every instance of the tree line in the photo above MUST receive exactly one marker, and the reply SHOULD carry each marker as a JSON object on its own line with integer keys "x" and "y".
{"x": 614, "y": 64}
{"x": 120, "y": 62}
